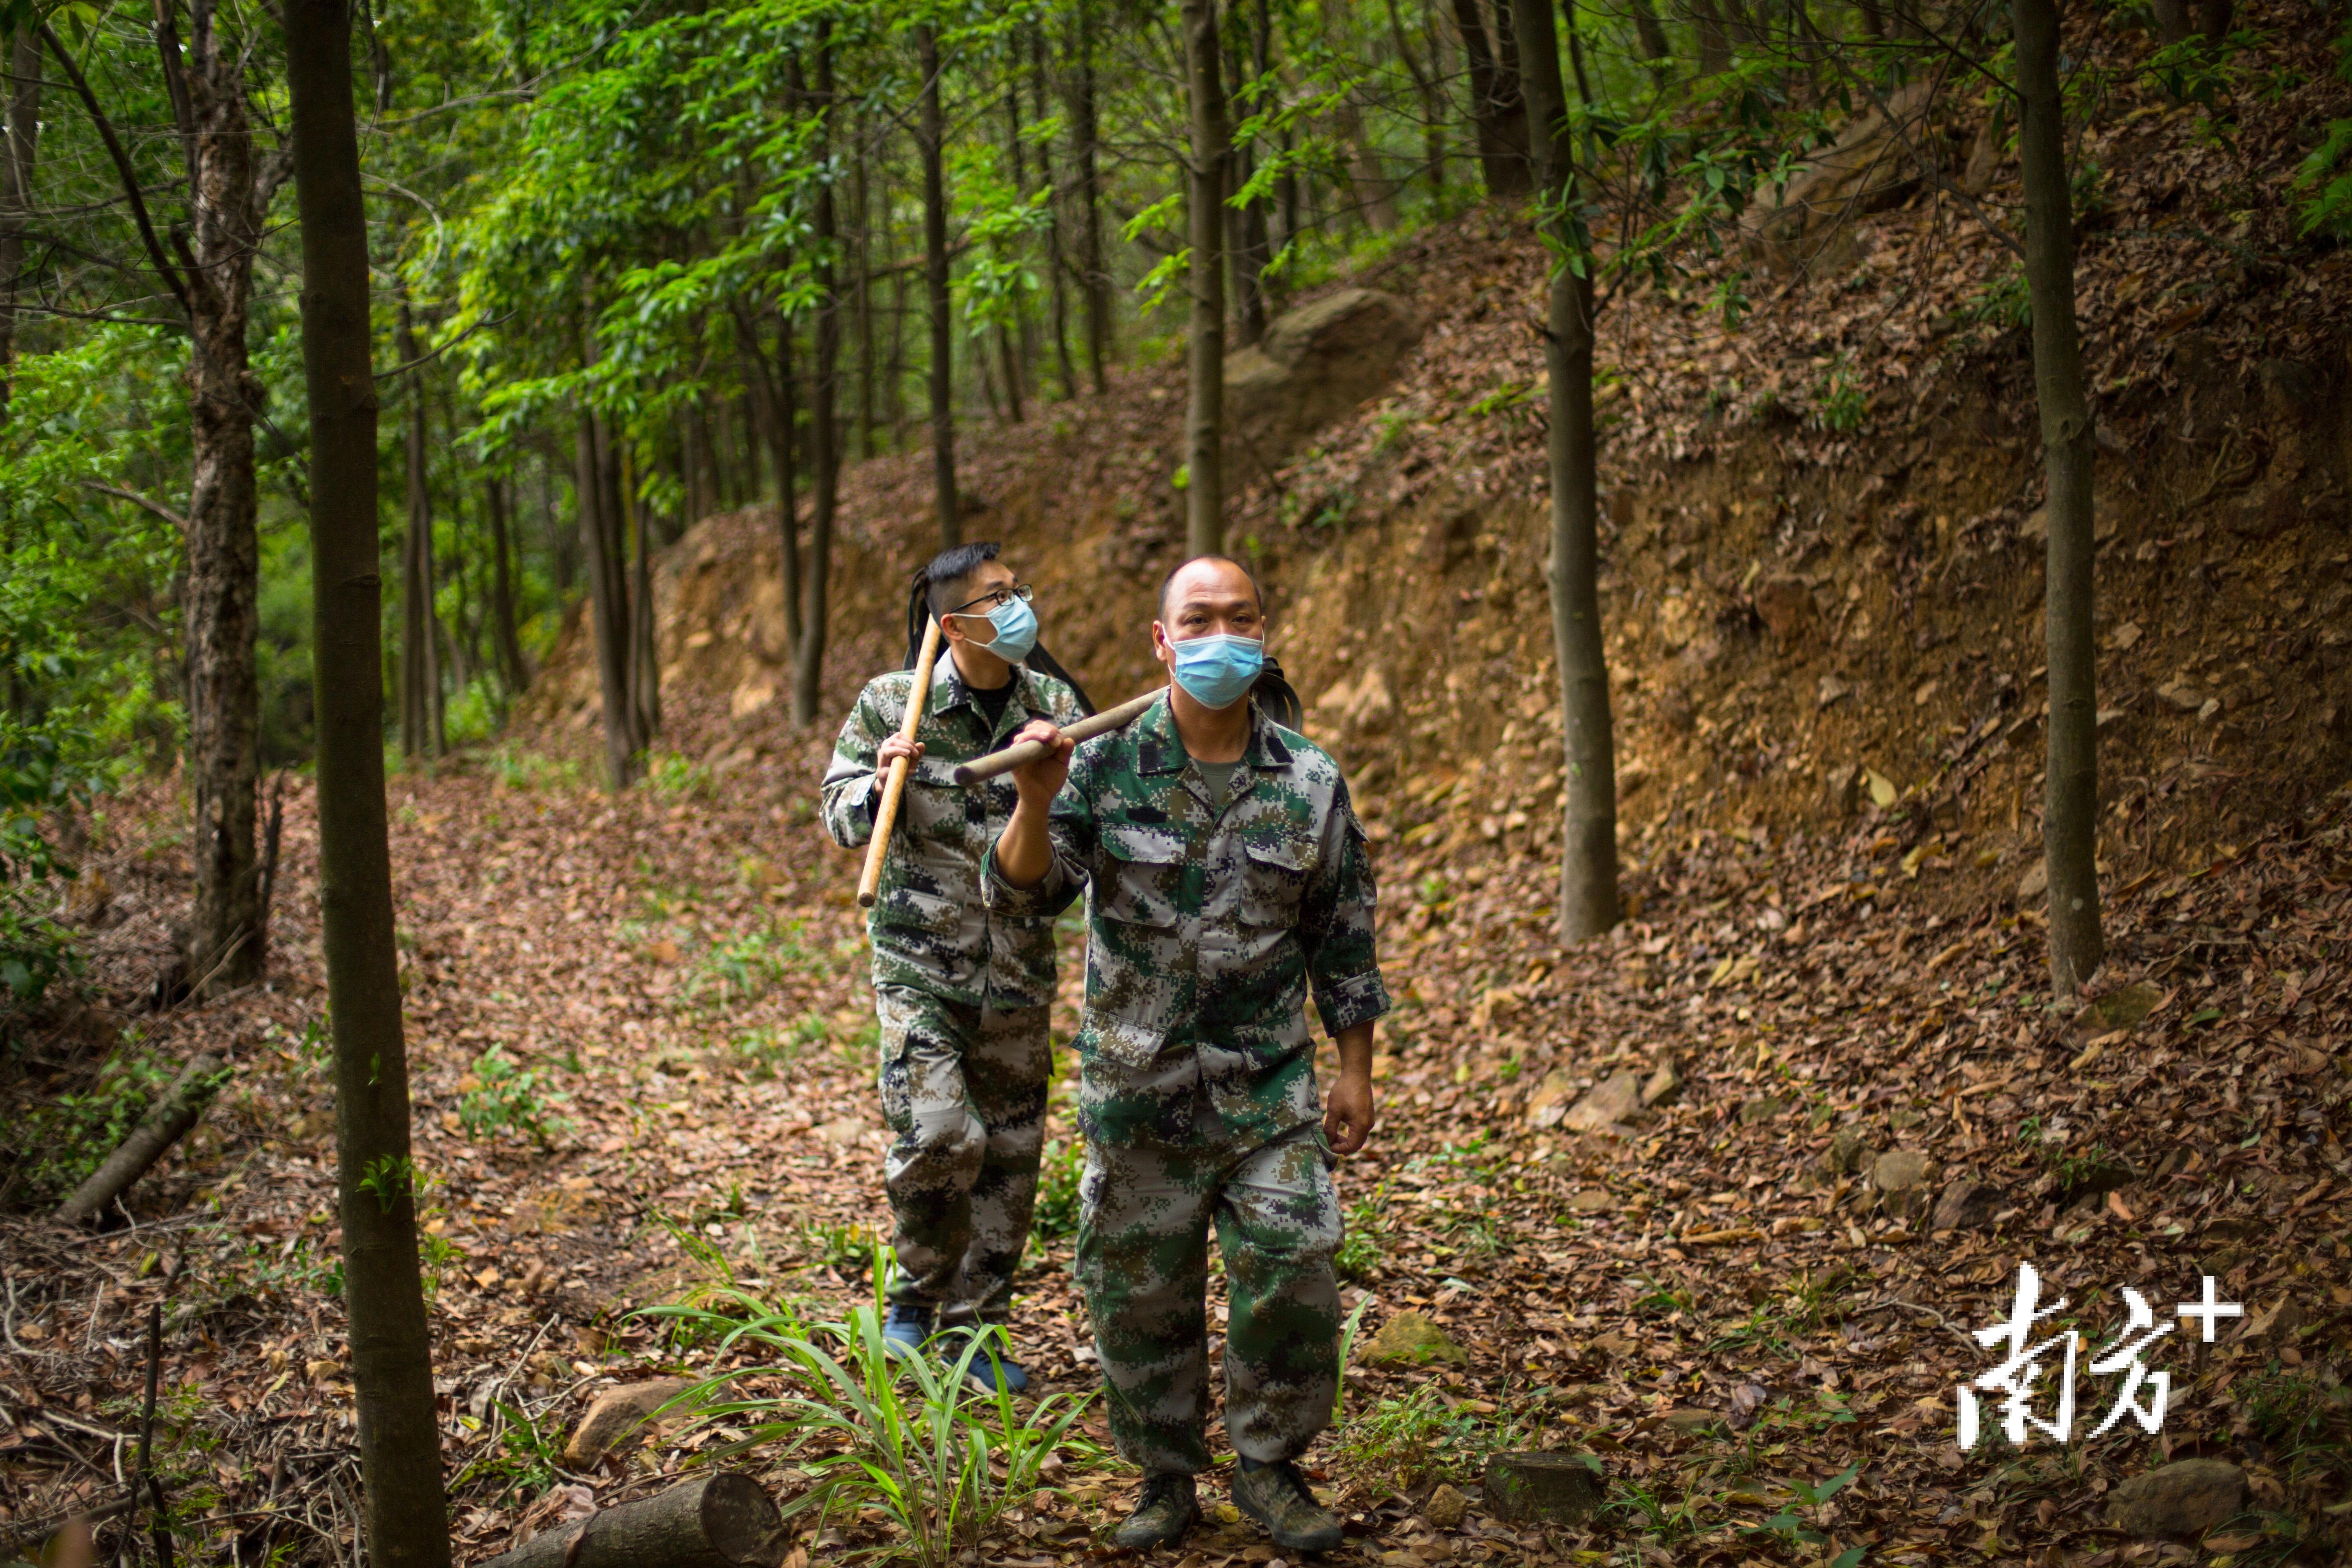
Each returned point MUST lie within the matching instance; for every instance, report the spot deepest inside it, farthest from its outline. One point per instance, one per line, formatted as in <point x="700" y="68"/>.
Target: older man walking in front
<point x="1230" y="879"/>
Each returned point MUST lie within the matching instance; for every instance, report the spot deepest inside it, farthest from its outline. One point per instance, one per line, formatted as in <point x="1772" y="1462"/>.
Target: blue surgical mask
<point x="1017" y="630"/>
<point x="1218" y="671"/>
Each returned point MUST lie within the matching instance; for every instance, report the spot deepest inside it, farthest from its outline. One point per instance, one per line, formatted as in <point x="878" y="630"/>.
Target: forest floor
<point x="642" y="1054"/>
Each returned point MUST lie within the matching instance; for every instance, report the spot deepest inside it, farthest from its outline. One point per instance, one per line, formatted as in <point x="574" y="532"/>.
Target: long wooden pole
<point x="1012" y="757"/>
<point x="887" y="817"/>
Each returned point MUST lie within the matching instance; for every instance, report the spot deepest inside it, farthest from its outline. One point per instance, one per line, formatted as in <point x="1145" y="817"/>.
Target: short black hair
<point x="1256" y="589"/>
<point x="951" y="566"/>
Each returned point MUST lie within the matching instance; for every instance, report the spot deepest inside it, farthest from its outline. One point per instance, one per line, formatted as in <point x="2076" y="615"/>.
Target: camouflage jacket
<point x="929" y="926"/>
<point x="1207" y="927"/>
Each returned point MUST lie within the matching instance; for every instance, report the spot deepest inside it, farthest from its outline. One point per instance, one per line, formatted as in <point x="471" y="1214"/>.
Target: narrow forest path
<point x="642" y="1056"/>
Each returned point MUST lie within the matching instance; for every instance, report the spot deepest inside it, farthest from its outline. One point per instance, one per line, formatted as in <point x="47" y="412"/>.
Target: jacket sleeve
<point x="1335" y="928"/>
<point x="1070" y="834"/>
<point x="847" y="792"/>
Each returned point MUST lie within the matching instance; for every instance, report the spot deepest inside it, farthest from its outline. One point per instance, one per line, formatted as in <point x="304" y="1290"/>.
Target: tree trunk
<point x="504" y="634"/>
<point x="405" y="1520"/>
<point x="1241" y="253"/>
<point x="1652" y="34"/>
<point x="607" y="604"/>
<point x="824" y="441"/>
<point x="1092" y="264"/>
<point x="788" y="540"/>
<point x="1425" y="93"/>
<point x="1714" y="41"/>
<point x="1056" y="253"/>
<point x="2071" y="779"/>
<point x="224" y="546"/>
<point x="1588" y="872"/>
<point x="862" y="220"/>
<point x="1498" y="108"/>
<point x="931" y="141"/>
<point x="420" y="657"/>
<point x="17" y="156"/>
<point x="644" y="660"/>
<point x="2171" y="19"/>
<point x="1204" y="411"/>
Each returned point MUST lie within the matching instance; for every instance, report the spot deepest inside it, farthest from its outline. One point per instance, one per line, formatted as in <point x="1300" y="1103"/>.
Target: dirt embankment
<point x="1821" y="536"/>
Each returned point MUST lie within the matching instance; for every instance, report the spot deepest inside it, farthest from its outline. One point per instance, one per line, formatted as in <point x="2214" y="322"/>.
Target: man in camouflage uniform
<point x="962" y="991"/>
<point x="1227" y="877"/>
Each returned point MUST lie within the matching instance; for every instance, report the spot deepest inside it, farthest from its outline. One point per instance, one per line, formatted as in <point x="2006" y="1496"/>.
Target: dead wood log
<point x="166" y="1121"/>
<point x="726" y="1521"/>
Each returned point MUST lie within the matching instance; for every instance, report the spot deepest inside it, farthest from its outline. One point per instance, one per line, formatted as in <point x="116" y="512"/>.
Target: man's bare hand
<point x="1348" y="1113"/>
<point x="1041" y="781"/>
<point x="894" y="748"/>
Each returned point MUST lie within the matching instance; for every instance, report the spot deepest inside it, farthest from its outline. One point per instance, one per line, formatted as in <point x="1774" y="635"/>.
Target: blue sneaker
<point x="990" y="1372"/>
<point x="907" y="1327"/>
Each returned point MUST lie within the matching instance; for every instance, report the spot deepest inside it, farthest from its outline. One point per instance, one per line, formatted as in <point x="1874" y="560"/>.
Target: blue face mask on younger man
<point x="1017" y="630"/>
<point x="1218" y="671"/>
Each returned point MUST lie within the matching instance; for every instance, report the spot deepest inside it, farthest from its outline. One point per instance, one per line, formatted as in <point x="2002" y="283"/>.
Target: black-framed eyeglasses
<point x="995" y="599"/>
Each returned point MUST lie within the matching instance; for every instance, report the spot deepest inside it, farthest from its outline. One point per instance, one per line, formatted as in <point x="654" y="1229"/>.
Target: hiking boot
<point x="907" y="1327"/>
<point x="1277" y="1497"/>
<point x="1168" y="1507"/>
<point x="992" y="1372"/>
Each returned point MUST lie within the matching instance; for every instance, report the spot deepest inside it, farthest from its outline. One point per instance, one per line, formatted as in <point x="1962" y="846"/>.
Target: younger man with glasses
<point x="962" y="991"/>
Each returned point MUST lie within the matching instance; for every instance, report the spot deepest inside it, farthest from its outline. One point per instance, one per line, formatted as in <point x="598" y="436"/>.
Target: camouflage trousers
<point x="964" y="1090"/>
<point x="1143" y="1263"/>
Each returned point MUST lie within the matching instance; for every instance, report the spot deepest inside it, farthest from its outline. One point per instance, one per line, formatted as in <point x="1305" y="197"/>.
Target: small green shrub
<point x="675" y="777"/>
<point x="1409" y="1442"/>
<point x="1362" y="1238"/>
<point x="505" y="1098"/>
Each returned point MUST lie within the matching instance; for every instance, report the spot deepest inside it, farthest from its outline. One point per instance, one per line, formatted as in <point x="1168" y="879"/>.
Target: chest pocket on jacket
<point x="1274" y="880"/>
<point x="1141" y="869"/>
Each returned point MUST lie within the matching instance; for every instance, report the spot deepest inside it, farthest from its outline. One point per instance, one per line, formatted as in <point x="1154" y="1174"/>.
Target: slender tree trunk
<point x="404" y="1519"/>
<point x="931" y="141"/>
<point x="420" y="657"/>
<point x="2070" y="811"/>
<point x="645" y="658"/>
<point x="862" y="221"/>
<point x="17" y="157"/>
<point x="505" y="634"/>
<point x="1204" y="413"/>
<point x="1058" y="253"/>
<point x="607" y="598"/>
<point x="224" y="544"/>
<point x="824" y="440"/>
<point x="1092" y="264"/>
<point x="1498" y="108"/>
<point x="1241" y="255"/>
<point x="1714" y="38"/>
<point x="1652" y="34"/>
<point x="896" y="380"/>
<point x="1426" y="92"/>
<point x="788" y="486"/>
<point x="1588" y="873"/>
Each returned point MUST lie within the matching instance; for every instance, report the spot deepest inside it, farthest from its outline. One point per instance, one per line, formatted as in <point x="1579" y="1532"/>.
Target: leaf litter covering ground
<point x="1710" y="1294"/>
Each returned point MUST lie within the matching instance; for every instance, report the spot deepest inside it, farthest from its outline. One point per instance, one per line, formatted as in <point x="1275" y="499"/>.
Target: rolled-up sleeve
<point x="847" y="792"/>
<point x="1070" y="834"/>
<point x="1335" y="928"/>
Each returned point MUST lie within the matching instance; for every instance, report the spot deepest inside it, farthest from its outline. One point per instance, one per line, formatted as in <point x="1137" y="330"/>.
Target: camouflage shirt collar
<point x="948" y="688"/>
<point x="1159" y="750"/>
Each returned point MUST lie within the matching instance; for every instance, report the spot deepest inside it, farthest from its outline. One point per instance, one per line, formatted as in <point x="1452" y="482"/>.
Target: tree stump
<point x="726" y="1521"/>
<point x="174" y="1111"/>
<point x="1543" y="1489"/>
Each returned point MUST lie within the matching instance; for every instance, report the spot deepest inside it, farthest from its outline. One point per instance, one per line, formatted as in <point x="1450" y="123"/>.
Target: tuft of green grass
<point x="1059" y="1173"/>
<point x="877" y="1431"/>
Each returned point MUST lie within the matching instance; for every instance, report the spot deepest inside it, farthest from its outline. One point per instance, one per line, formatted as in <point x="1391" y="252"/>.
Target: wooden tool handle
<point x="1012" y="757"/>
<point x="886" y="816"/>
